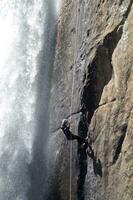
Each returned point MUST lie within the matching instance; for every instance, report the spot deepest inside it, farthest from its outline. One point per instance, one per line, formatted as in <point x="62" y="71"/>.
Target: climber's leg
<point x="90" y="152"/>
<point x="79" y="139"/>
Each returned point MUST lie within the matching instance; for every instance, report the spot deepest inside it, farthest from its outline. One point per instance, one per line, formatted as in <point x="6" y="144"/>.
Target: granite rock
<point x="93" y="67"/>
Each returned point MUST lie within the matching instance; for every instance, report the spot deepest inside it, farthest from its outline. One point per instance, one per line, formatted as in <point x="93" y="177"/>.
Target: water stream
<point x="27" y="40"/>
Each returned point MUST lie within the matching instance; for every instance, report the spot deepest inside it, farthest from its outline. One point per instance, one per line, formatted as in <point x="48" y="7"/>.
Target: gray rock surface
<point x="93" y="66"/>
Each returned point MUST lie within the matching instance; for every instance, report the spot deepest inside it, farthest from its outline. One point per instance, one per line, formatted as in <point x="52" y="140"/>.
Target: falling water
<point x="26" y="54"/>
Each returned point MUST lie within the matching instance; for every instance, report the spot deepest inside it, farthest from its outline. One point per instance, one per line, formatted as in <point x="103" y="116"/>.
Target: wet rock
<point x="101" y="80"/>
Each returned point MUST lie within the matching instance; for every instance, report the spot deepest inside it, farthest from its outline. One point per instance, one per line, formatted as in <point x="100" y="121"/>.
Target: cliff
<point x="93" y="69"/>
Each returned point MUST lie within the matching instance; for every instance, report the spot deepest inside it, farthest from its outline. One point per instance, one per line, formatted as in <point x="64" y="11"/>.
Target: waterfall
<point x="27" y="40"/>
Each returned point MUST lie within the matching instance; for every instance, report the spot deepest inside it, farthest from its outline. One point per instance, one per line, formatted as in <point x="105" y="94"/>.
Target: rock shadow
<point x="97" y="166"/>
<point x="99" y="73"/>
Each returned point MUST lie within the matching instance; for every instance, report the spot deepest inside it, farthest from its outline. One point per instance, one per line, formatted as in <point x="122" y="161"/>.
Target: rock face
<point x="93" y="70"/>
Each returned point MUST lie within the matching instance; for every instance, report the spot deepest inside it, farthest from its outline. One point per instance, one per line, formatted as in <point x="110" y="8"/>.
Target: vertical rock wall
<point x="93" y="69"/>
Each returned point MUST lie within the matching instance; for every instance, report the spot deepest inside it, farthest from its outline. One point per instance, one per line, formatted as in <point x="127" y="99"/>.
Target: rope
<point x="72" y="91"/>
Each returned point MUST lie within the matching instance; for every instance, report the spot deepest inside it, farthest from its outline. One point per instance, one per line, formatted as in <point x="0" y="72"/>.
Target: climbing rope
<point x="72" y="92"/>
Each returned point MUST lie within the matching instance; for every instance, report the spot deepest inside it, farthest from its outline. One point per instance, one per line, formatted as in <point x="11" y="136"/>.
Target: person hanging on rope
<point x="83" y="142"/>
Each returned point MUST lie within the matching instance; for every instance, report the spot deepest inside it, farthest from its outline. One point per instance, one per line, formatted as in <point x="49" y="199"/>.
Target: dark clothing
<point x="71" y="136"/>
<point x="90" y="152"/>
<point x="84" y="143"/>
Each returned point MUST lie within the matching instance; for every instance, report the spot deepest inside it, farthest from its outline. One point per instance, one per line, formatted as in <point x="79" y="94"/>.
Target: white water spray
<point x="22" y="25"/>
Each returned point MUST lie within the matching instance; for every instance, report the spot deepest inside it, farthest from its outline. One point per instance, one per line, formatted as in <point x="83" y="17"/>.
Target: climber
<point x="83" y="142"/>
<point x="65" y="126"/>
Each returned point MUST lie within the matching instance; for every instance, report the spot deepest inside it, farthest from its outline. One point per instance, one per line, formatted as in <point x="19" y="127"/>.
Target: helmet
<point x="64" y="123"/>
